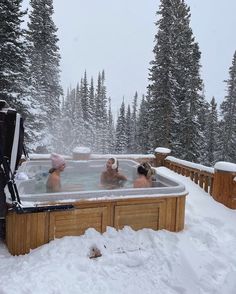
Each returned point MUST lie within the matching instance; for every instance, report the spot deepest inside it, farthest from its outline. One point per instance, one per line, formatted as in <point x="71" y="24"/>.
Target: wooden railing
<point x="199" y="176"/>
<point x="220" y="181"/>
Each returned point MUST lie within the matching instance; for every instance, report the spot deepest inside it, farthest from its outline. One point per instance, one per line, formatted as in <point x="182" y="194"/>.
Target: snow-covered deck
<point x="200" y="259"/>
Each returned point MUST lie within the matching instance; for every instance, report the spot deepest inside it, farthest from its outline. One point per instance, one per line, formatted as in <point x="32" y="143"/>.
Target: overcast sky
<point x="118" y="36"/>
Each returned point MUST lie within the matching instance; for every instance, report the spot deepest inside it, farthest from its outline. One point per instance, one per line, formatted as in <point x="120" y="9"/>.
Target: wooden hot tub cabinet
<point x="30" y="230"/>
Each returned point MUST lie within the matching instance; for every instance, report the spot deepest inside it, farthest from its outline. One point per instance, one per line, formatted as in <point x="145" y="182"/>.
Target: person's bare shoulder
<point x="103" y="177"/>
<point x="137" y="183"/>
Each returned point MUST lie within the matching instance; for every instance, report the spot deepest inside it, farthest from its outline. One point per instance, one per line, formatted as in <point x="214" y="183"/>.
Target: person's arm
<point x="102" y="179"/>
<point x="122" y="177"/>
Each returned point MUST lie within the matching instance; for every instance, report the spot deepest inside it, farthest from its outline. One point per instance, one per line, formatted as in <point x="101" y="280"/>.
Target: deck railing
<point x="203" y="176"/>
<point x="219" y="182"/>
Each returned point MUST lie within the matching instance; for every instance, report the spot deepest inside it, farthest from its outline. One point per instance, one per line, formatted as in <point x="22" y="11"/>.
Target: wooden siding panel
<point x="138" y="216"/>
<point x="180" y="213"/>
<point x="26" y="231"/>
<point x="76" y="222"/>
<point x="30" y="230"/>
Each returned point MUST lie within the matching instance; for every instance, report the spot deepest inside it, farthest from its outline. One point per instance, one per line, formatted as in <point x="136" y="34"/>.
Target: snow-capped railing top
<point x="225" y="166"/>
<point x="191" y="164"/>
<point x="128" y="156"/>
<point x="85" y="150"/>
<point x="162" y="150"/>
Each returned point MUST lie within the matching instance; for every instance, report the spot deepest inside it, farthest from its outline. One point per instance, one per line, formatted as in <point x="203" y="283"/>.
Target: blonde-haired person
<point x="54" y="178"/>
<point x="111" y="178"/>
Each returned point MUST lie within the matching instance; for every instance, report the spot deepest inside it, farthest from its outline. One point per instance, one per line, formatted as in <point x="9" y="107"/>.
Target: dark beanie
<point x="141" y="170"/>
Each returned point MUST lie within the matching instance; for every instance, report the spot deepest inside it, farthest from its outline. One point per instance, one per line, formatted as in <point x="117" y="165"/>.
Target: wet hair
<point x="142" y="170"/>
<point x="150" y="170"/>
<point x="51" y="170"/>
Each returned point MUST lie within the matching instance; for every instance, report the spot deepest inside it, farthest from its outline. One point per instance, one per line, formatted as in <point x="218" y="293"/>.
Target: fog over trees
<point x="173" y="113"/>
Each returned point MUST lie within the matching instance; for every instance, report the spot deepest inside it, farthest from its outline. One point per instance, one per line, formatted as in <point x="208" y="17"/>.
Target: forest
<point x="173" y="113"/>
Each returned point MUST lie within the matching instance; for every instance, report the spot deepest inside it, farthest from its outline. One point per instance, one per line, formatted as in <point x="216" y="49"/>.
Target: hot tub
<point x="159" y="207"/>
<point x="87" y="175"/>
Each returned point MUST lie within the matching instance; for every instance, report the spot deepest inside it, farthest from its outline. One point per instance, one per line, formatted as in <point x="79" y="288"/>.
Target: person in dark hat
<point x="142" y="180"/>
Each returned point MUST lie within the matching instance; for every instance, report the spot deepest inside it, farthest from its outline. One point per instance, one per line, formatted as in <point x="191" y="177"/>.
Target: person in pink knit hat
<point x="54" y="178"/>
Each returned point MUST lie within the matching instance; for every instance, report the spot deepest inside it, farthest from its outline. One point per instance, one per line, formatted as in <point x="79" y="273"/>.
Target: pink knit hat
<point x="57" y="160"/>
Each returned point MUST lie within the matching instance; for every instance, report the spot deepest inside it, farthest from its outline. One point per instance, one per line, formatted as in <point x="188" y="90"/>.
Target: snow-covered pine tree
<point x="191" y="102"/>
<point x="162" y="104"/>
<point x="44" y="61"/>
<point x="212" y="134"/>
<point x="143" y="127"/>
<point x="14" y="84"/>
<point x="129" y="130"/>
<point x="175" y="83"/>
<point x="78" y="121"/>
<point x="105" y="136"/>
<point x="13" y="57"/>
<point x="84" y="93"/>
<point x="121" y="139"/>
<point x="88" y="111"/>
<point x="111" y="130"/>
<point x="101" y="115"/>
<point x="204" y="110"/>
<point x="91" y="117"/>
<point x="228" y="113"/>
<point x="134" y="113"/>
<point x="66" y="136"/>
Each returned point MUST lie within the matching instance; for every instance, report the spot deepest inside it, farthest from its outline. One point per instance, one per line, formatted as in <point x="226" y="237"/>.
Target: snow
<point x="83" y="150"/>
<point x="225" y="166"/>
<point x="191" y="164"/>
<point x="95" y="156"/>
<point x="125" y="156"/>
<point x="162" y="150"/>
<point x="21" y="176"/>
<point x="37" y="156"/>
<point x="199" y="260"/>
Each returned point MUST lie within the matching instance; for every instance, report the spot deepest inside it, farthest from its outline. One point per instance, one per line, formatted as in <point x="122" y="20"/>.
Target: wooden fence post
<point x="160" y="155"/>
<point x="224" y="184"/>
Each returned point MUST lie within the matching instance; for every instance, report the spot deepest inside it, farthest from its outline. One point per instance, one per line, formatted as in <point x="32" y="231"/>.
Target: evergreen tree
<point x="13" y="57"/>
<point x="78" y="121"/>
<point x="91" y="117"/>
<point x="228" y="113"/>
<point x="191" y="105"/>
<point x="162" y="103"/>
<point x="44" y="67"/>
<point x="101" y="115"/>
<point x="203" y="113"/>
<point x="85" y="97"/>
<point x="121" y="139"/>
<point x="88" y="111"/>
<point x="175" y="83"/>
<point x="143" y="127"/>
<point x="212" y="134"/>
<point x="111" y="130"/>
<point x="64" y="139"/>
<point x="14" y="82"/>
<point x="129" y="131"/>
<point x="133" y="143"/>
